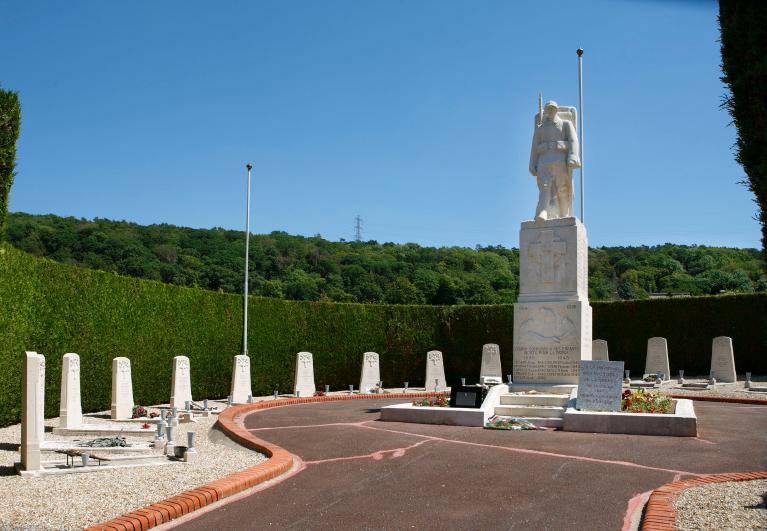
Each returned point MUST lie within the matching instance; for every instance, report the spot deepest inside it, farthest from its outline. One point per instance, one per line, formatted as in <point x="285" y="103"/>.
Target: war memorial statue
<point x="553" y="156"/>
<point x="552" y="316"/>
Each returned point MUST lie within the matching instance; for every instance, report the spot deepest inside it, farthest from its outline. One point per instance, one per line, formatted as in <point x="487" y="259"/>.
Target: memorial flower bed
<point x="432" y="401"/>
<point x="639" y="401"/>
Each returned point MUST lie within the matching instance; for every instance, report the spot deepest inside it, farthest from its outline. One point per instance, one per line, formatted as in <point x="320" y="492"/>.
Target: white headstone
<point x="181" y="386"/>
<point x="723" y="360"/>
<point x="241" y="388"/>
<point x="599" y="350"/>
<point x="122" y="389"/>
<point x="657" y="357"/>
<point x="371" y="372"/>
<point x="32" y="411"/>
<point x="600" y="384"/>
<point x="491" y="361"/>
<point x="303" y="383"/>
<point x="70" y="408"/>
<point x="435" y="371"/>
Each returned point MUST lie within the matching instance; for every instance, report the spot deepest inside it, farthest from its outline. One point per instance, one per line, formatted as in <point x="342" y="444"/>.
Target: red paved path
<point x="361" y="473"/>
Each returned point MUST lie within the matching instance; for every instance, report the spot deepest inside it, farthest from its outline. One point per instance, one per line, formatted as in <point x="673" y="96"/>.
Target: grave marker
<point x="599" y="350"/>
<point x="181" y="386"/>
<point x="70" y="408"/>
<point x="303" y="383"/>
<point x="32" y="411"/>
<point x="657" y="357"/>
<point x="241" y="389"/>
<point x="491" y="361"/>
<point x="122" y="389"/>
<point x="435" y="371"/>
<point x="371" y="372"/>
<point x="600" y="384"/>
<point x="723" y="360"/>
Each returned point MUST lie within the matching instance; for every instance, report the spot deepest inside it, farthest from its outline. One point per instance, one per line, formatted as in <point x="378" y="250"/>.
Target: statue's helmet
<point x="551" y="103"/>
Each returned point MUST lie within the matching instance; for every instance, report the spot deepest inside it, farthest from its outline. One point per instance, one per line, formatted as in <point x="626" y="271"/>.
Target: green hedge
<point x="53" y="309"/>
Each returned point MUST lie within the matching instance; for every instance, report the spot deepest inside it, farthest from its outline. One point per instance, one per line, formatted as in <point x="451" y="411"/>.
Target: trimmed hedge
<point x="54" y="308"/>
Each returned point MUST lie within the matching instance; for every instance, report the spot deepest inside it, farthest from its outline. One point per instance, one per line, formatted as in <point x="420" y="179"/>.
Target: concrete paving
<point x="361" y="473"/>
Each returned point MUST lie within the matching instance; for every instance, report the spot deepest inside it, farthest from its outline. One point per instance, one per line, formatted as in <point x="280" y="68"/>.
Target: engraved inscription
<point x="547" y="253"/>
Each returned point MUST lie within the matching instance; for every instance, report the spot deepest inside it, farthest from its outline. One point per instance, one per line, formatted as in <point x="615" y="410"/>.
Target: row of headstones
<point x="181" y="389"/>
<point x="70" y="407"/>
<point x="370" y="376"/>
<point x="656" y="362"/>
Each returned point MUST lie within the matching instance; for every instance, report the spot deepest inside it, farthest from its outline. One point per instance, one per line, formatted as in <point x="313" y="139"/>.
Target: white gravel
<point x="726" y="390"/>
<point x="735" y="505"/>
<point x="73" y="501"/>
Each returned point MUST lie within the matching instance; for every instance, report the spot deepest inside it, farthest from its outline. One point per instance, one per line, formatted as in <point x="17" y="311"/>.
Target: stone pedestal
<point x="371" y="372"/>
<point x="552" y="318"/>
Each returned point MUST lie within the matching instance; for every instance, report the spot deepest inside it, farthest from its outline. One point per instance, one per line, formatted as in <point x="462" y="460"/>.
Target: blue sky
<point x="416" y="115"/>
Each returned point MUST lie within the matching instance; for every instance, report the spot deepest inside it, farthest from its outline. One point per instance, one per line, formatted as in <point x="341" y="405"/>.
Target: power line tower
<point x="358" y="229"/>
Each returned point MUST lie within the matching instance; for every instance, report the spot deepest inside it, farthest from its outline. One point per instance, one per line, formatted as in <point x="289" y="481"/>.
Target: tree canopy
<point x="312" y="268"/>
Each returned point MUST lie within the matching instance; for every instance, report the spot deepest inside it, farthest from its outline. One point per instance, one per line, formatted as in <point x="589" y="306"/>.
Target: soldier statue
<point x="553" y="157"/>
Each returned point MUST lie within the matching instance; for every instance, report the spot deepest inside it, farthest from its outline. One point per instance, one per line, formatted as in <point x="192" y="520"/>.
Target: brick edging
<point x="660" y="514"/>
<point x="727" y="399"/>
<point x="229" y="421"/>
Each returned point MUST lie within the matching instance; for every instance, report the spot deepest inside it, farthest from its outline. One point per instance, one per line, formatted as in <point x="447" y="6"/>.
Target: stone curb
<point x="229" y="421"/>
<point x="660" y="514"/>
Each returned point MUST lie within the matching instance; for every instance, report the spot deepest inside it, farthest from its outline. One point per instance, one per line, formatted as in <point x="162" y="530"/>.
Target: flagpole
<point x="580" y="129"/>
<point x="249" y="166"/>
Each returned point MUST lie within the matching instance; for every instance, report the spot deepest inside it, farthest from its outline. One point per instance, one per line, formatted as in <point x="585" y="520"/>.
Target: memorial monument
<point x="552" y="316"/>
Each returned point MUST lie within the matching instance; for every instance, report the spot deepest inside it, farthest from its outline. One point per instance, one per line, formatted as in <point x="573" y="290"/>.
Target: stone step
<point x="549" y="389"/>
<point x="530" y="411"/>
<point x="538" y="399"/>
<point x="758" y="389"/>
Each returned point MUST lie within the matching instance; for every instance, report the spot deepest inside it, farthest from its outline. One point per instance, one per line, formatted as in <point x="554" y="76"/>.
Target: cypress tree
<point x="10" y="122"/>
<point x="743" y="26"/>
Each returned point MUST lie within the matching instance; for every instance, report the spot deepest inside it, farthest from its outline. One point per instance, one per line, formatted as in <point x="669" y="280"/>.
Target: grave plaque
<point x="70" y="408"/>
<point x="122" y="389"/>
<point x="304" y="379"/>
<point x="600" y="385"/>
<point x="599" y="350"/>
<point x="371" y="372"/>
<point x="466" y="396"/>
<point x="657" y="357"/>
<point x="435" y="371"/>
<point x="491" y="361"/>
<point x="240" y="390"/>
<point x="723" y="360"/>
<point x="181" y="386"/>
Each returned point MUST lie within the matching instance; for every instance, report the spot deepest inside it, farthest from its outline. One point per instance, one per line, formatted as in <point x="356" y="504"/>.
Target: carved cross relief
<point x="547" y="252"/>
<point x="305" y="360"/>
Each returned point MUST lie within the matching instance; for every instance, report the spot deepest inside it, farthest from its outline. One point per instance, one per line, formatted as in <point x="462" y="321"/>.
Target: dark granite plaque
<point x="466" y="396"/>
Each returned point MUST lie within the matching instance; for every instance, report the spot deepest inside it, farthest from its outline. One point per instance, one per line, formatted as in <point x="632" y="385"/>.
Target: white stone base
<point x="451" y="416"/>
<point x="550" y="340"/>
<point x="99" y="430"/>
<point x="681" y="423"/>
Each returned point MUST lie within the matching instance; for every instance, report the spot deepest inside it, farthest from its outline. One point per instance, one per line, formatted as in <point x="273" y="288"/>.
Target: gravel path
<point x="727" y="390"/>
<point x="73" y="501"/>
<point x="736" y="505"/>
